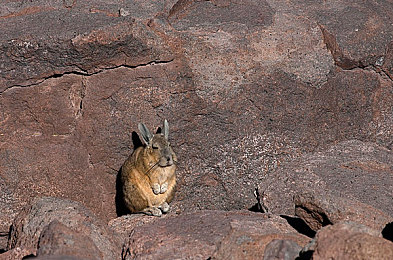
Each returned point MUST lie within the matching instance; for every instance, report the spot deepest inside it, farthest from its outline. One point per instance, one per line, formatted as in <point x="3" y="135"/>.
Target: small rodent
<point x="148" y="175"/>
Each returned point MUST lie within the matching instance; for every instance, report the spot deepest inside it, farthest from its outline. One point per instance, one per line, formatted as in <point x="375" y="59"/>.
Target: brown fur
<point x="148" y="188"/>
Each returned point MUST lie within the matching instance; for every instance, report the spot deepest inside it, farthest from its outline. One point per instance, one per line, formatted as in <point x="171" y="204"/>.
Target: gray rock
<point x="281" y="249"/>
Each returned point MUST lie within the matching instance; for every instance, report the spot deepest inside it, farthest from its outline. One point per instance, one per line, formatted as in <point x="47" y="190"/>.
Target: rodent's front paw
<point x="156" y="188"/>
<point x="164" y="187"/>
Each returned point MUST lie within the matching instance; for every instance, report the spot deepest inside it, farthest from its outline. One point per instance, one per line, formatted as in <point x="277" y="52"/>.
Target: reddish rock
<point x="245" y="86"/>
<point x="321" y="209"/>
<point x="51" y="226"/>
<point x="58" y="257"/>
<point x="16" y="253"/>
<point x="57" y="239"/>
<point x="89" y="37"/>
<point x="125" y="224"/>
<point x="346" y="177"/>
<point x="356" y="34"/>
<point x="205" y="234"/>
<point x="387" y="61"/>
<point x="46" y="156"/>
<point x="250" y="241"/>
<point x="346" y="241"/>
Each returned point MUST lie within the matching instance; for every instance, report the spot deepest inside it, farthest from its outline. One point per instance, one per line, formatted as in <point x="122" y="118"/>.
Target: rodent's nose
<point x="169" y="160"/>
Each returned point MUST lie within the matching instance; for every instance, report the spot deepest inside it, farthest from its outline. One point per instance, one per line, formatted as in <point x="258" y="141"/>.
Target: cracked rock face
<point x="245" y="85"/>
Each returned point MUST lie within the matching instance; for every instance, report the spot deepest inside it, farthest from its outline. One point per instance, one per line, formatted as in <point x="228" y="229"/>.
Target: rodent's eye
<point x="155" y="146"/>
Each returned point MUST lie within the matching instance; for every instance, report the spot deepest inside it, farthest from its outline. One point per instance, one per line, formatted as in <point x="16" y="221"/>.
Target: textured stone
<point x="44" y="226"/>
<point x="346" y="241"/>
<point x="387" y="61"/>
<point x="321" y="209"/>
<point x="356" y="34"/>
<point x="246" y="85"/>
<point x="253" y="242"/>
<point x="282" y="249"/>
<point x="350" y="175"/>
<point x="16" y="253"/>
<point x="58" y="239"/>
<point x="204" y="234"/>
<point x="124" y="225"/>
<point x="89" y="37"/>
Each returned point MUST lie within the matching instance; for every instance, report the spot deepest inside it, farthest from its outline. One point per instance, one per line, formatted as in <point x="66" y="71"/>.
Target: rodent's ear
<point x="146" y="135"/>
<point x="165" y="129"/>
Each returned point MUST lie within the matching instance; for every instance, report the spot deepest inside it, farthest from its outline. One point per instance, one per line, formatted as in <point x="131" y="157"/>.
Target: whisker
<point x="151" y="168"/>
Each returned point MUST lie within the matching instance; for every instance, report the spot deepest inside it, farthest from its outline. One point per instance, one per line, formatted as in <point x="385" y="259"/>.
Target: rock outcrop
<point x="292" y="96"/>
<point x="351" y="172"/>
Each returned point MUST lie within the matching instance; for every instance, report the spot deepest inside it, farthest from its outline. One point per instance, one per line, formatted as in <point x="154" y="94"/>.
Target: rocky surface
<point x="57" y="228"/>
<point x="281" y="249"/>
<point x="351" y="172"/>
<point x="350" y="241"/>
<point x="53" y="226"/>
<point x="318" y="210"/>
<point x="257" y="93"/>
<point x="16" y="253"/>
<point x="58" y="239"/>
<point x="204" y="234"/>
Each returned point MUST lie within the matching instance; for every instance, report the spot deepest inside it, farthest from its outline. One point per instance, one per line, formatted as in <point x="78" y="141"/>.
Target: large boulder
<point x="347" y="240"/>
<point x="52" y="227"/>
<point x="58" y="239"/>
<point x="321" y="209"/>
<point x="204" y="234"/>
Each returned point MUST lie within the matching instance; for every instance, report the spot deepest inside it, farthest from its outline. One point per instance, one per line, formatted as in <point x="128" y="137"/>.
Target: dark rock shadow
<point x="121" y="208"/>
<point x="256" y="208"/>
<point x="299" y="225"/>
<point x="387" y="232"/>
<point x="305" y="255"/>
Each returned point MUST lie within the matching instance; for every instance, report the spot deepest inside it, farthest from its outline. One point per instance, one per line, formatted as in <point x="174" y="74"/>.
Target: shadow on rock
<point x="299" y="225"/>
<point x="387" y="232"/>
<point x="121" y="208"/>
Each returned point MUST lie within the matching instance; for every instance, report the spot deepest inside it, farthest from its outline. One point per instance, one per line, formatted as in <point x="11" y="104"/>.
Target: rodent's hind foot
<point x="153" y="211"/>
<point x="164" y="207"/>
